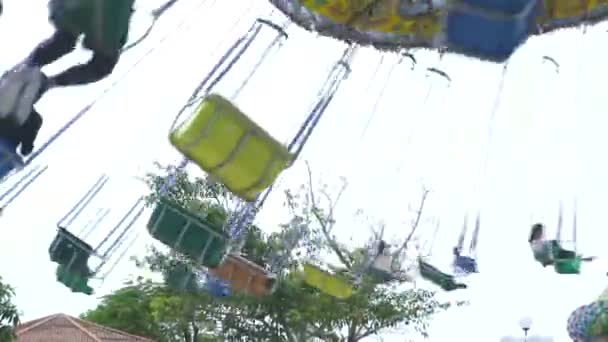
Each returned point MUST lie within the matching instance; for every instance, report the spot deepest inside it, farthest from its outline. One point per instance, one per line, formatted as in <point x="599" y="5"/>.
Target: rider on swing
<point x="105" y="27"/>
<point x="545" y="251"/>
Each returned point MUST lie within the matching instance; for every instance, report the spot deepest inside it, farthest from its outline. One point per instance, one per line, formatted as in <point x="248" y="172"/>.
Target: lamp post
<point x="525" y="324"/>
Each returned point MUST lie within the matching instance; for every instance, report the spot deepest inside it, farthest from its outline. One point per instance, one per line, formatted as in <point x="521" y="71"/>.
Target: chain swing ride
<point x="229" y="146"/>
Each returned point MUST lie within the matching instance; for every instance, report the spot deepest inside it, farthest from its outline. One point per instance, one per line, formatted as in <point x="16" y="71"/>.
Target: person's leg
<point x="97" y="68"/>
<point x="58" y="45"/>
<point x="29" y="132"/>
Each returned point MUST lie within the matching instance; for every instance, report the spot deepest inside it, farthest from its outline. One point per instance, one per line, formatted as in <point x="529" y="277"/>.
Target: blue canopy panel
<point x="492" y="36"/>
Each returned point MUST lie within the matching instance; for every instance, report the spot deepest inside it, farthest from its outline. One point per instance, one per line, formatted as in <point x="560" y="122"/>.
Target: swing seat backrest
<point x="188" y="233"/>
<point x="226" y="144"/>
<point x="333" y="285"/>
<point x="568" y="266"/>
<point x="71" y="252"/>
<point x="245" y="276"/>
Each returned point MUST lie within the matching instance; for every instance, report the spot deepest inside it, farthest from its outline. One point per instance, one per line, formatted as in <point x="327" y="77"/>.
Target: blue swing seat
<point x="217" y="287"/>
<point x="490" y="36"/>
<point x="466" y="264"/>
<point x="9" y="158"/>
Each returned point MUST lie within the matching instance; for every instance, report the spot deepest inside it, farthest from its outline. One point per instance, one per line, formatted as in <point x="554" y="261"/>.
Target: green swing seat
<point x="568" y="266"/>
<point x="232" y="148"/>
<point x="445" y="281"/>
<point x="187" y="233"/>
<point x="71" y="252"/>
<point x="73" y="280"/>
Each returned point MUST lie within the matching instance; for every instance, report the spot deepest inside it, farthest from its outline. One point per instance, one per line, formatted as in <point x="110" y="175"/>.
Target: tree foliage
<point x="296" y="311"/>
<point x="9" y="315"/>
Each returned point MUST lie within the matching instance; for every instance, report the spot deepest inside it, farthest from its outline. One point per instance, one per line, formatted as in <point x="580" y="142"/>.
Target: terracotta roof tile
<point x="64" y="328"/>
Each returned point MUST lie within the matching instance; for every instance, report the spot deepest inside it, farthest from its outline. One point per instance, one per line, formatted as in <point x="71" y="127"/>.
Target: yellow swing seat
<point x="333" y="285"/>
<point x="229" y="146"/>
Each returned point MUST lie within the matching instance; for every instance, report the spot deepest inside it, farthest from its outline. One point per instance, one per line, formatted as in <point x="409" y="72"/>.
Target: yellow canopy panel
<point x="326" y="282"/>
<point x="425" y="25"/>
<point x="228" y="145"/>
<point x="565" y="9"/>
<point x="385" y="17"/>
<point x="340" y="11"/>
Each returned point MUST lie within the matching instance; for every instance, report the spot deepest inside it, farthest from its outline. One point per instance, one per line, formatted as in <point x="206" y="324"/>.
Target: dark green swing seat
<point x="200" y="239"/>
<point x="568" y="266"/>
<point x="72" y="254"/>
<point x="75" y="281"/>
<point x="445" y="281"/>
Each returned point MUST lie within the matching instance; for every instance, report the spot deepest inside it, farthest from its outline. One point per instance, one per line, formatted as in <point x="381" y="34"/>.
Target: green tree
<point x="128" y="309"/>
<point x="9" y="315"/>
<point x="296" y="311"/>
<point x="152" y="310"/>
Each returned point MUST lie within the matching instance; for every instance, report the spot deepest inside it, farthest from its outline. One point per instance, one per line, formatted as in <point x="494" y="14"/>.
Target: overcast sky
<point x="547" y="145"/>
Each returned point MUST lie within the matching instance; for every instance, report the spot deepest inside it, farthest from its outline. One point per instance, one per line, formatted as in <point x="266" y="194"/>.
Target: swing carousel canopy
<point x="486" y="29"/>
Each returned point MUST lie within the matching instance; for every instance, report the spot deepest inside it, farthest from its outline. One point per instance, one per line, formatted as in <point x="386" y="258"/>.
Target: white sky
<point x="547" y="146"/>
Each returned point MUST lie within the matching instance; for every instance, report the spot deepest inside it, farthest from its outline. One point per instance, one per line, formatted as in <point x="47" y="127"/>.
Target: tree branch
<point x="415" y="224"/>
<point x="327" y="222"/>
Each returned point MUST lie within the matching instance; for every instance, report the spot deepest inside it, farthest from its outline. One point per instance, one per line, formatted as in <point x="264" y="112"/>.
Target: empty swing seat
<point x="568" y="266"/>
<point x="188" y="233"/>
<point x="489" y="36"/>
<point x="333" y="285"/>
<point x="228" y="145"/>
<point x="245" y="276"/>
<point x="71" y="252"/>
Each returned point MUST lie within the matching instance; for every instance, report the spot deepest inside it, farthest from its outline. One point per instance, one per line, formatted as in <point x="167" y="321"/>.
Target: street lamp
<point x="525" y="324"/>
